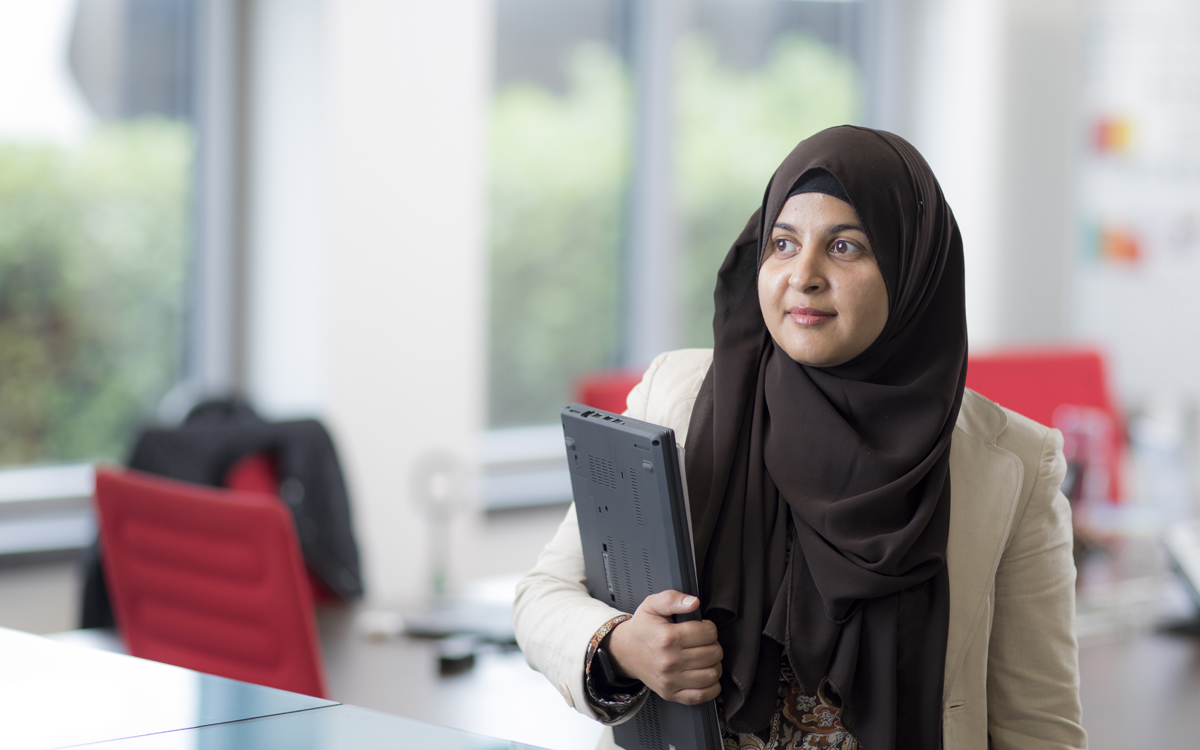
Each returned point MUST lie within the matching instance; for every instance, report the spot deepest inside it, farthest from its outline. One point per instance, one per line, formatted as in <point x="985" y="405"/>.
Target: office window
<point x="560" y="139"/>
<point x="747" y="81"/>
<point x="754" y="79"/>
<point x="95" y="179"/>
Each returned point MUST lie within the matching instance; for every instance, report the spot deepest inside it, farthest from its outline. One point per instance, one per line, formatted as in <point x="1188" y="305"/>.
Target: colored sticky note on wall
<point x="1112" y="135"/>
<point x="1112" y="244"/>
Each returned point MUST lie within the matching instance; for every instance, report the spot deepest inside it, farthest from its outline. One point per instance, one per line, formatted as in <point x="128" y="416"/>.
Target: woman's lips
<point x="810" y="316"/>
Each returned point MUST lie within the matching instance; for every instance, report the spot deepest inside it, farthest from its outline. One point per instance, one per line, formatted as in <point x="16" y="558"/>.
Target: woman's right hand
<point x="681" y="661"/>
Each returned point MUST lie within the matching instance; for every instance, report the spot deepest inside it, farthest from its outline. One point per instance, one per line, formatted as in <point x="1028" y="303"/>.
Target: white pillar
<point x="288" y="326"/>
<point x="410" y="84"/>
<point x="956" y="114"/>
<point x="368" y="248"/>
<point x="993" y="108"/>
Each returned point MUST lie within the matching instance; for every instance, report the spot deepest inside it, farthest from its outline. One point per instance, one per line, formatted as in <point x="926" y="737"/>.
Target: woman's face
<point x="820" y="289"/>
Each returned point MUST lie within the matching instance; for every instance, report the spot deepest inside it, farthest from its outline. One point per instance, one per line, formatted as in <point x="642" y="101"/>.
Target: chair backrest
<point x="1036" y="383"/>
<point x="606" y="390"/>
<point x="208" y="579"/>
<point x="259" y="472"/>
<point x="256" y="472"/>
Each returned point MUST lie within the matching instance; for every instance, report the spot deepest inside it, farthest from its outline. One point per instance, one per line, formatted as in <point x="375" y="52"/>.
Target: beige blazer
<point x="1012" y="676"/>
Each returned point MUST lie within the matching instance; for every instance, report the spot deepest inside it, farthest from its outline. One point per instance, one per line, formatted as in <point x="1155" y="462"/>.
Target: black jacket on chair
<point x="213" y="438"/>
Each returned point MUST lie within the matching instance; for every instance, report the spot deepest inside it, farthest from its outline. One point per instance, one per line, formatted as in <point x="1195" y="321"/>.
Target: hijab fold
<point x="821" y="496"/>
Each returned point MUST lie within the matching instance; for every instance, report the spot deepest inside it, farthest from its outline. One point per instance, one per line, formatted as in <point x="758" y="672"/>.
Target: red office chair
<point x="1063" y="388"/>
<point x="606" y="390"/>
<point x="258" y="472"/>
<point x="208" y="579"/>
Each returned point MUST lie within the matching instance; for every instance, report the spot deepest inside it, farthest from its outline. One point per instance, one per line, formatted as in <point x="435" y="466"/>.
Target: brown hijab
<point x="852" y="461"/>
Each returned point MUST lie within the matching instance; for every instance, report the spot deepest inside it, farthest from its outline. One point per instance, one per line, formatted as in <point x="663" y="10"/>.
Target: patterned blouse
<point x="800" y="722"/>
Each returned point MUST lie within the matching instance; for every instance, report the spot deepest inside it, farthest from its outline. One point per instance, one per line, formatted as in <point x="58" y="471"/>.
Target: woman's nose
<point x="806" y="273"/>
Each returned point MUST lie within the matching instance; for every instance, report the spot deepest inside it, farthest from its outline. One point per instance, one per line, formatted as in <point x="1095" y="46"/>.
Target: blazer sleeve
<point x="1033" y="656"/>
<point x="553" y="616"/>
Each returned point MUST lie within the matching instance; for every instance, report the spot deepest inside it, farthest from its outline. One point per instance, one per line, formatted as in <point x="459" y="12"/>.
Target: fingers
<point x="697" y="633"/>
<point x="685" y="635"/>
<point x="681" y="661"/>
<point x="668" y="664"/>
<point x="668" y="603"/>
<point x="701" y="657"/>
<point x="694" y="686"/>
<point x="690" y="679"/>
<point x="696" y="697"/>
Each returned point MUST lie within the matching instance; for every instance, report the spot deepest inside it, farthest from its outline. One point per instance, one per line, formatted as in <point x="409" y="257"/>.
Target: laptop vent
<point x="603" y="472"/>
<point x="648" y="731"/>
<point x="649" y="580"/>
<point x="637" y="500"/>
<point x="628" y="603"/>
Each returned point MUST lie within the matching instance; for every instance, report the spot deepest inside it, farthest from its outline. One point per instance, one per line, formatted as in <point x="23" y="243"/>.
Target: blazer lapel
<point x="985" y="486"/>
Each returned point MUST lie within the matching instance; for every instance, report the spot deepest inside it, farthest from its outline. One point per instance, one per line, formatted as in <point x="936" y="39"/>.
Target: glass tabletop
<point x="334" y="728"/>
<point x="54" y="695"/>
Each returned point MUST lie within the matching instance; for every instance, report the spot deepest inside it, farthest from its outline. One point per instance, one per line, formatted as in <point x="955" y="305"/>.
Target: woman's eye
<point x="785" y="246"/>
<point x="845" y="247"/>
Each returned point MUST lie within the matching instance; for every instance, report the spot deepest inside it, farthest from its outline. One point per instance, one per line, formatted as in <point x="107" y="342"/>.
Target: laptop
<point x="634" y="522"/>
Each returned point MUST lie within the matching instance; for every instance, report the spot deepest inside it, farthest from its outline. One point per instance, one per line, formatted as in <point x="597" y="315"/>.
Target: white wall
<point x="1042" y="134"/>
<point x="367" y="244"/>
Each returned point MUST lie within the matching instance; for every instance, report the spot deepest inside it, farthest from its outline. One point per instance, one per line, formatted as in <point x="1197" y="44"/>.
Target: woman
<point x="885" y="558"/>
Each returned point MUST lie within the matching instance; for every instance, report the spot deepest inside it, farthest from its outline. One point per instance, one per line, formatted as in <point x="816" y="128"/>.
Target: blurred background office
<point x="426" y="222"/>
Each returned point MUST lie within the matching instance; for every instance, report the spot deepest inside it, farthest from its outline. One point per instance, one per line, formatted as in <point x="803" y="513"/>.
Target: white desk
<point x="1140" y="691"/>
<point x="54" y="695"/>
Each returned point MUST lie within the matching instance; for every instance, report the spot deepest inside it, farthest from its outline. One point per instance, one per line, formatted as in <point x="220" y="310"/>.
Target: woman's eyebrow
<point x="828" y="230"/>
<point x="844" y="227"/>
